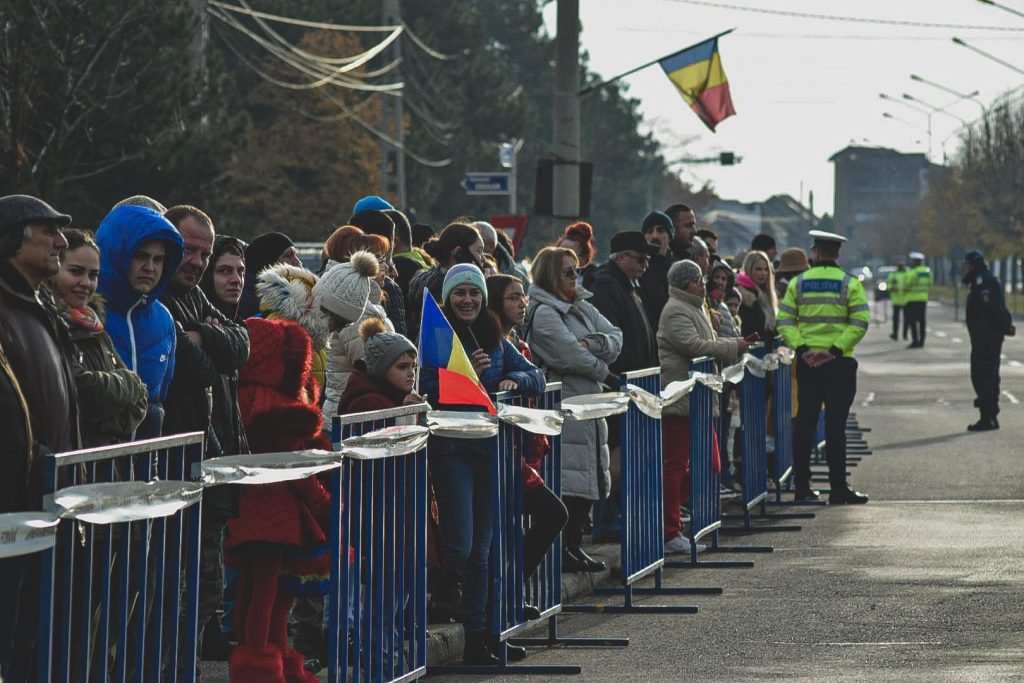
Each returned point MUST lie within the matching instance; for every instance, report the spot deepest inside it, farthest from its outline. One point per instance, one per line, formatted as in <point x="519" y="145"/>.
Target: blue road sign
<point x="486" y="183"/>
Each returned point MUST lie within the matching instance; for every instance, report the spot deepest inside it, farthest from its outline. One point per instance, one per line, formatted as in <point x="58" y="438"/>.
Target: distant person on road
<point x="824" y="316"/>
<point x="897" y="286"/>
<point x="919" y="284"/>
<point x="988" y="322"/>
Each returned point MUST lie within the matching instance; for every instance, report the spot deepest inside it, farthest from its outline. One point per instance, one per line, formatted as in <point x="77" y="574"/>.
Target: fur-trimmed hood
<point x="286" y="292"/>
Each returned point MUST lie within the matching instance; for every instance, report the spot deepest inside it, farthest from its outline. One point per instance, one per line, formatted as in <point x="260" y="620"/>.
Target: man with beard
<point x="684" y="221"/>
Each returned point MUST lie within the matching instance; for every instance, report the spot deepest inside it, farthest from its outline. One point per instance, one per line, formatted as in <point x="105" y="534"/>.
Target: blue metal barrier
<point x="753" y="412"/>
<point x="112" y="603"/>
<point x="377" y="596"/>
<point x="705" y="497"/>
<point x="544" y="588"/>
<point x="641" y="508"/>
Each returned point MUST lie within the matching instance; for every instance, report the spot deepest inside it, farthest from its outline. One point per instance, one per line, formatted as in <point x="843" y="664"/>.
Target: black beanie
<point x="374" y="222"/>
<point x="264" y="251"/>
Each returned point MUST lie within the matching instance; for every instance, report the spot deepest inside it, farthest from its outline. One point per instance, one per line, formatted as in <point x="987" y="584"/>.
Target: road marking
<point x="940" y="333"/>
<point x="956" y="340"/>
<point x="869" y="399"/>
<point x="1010" y="397"/>
<point x="882" y="643"/>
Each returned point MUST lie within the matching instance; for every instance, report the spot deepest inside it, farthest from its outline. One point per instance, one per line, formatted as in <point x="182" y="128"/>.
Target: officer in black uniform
<point x="988" y="322"/>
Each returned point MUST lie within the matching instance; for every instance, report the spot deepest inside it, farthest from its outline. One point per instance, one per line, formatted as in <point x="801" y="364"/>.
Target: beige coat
<point x="685" y="333"/>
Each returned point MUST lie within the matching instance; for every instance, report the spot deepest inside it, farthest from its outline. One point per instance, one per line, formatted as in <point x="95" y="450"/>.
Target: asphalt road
<point x="925" y="583"/>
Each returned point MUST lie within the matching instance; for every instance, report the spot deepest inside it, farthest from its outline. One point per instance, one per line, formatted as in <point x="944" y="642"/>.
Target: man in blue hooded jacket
<point x="139" y="253"/>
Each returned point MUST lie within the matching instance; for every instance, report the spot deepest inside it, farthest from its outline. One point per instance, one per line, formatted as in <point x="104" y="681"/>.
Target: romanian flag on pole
<point x="439" y="347"/>
<point x="699" y="77"/>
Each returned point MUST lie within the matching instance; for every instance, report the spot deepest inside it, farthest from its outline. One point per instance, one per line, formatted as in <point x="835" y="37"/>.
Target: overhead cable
<point x="323" y="77"/>
<point x="300" y="22"/>
<point x="418" y="42"/>
<point x="858" y="20"/>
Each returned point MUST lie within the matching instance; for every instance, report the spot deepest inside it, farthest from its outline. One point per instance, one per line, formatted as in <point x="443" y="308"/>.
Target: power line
<point x="323" y="77"/>
<point x="300" y="22"/>
<point x="418" y="42"/>
<point x="836" y="17"/>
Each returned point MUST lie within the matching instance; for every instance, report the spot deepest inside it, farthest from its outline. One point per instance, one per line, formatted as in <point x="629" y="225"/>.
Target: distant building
<point x="736" y="223"/>
<point x="877" y="191"/>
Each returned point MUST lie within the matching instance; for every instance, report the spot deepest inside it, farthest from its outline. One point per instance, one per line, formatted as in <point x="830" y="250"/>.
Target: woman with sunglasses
<point x="574" y="343"/>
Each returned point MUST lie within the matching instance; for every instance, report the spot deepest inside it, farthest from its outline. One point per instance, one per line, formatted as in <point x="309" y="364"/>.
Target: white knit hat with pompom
<point x="345" y="287"/>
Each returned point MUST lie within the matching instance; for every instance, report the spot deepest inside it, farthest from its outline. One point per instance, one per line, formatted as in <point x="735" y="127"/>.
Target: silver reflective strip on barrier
<point x="457" y="425"/>
<point x="594" y="406"/>
<point x="24" y="533"/>
<point x="533" y="420"/>
<point x="267" y="468"/>
<point x="128" y="501"/>
<point x="648" y="403"/>
<point x="386" y="443"/>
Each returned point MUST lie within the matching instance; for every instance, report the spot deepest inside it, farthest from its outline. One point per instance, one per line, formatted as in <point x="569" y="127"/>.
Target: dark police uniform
<point x="988" y="321"/>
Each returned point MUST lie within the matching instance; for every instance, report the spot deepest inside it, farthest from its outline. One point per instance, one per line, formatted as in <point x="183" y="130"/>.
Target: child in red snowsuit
<point x="278" y="541"/>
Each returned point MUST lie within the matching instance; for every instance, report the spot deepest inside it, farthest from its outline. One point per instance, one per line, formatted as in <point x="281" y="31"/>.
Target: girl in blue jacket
<point x="460" y="468"/>
<point x="139" y="252"/>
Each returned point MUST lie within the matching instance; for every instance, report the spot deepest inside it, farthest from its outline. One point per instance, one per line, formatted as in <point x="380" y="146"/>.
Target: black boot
<point x="216" y="647"/>
<point x="446" y="600"/>
<point x="579" y="561"/>
<point x="477" y="651"/>
<point x="513" y="653"/>
<point x="984" y="424"/>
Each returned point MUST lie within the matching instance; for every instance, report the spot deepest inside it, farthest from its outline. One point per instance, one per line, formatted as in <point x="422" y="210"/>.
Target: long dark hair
<point x="454" y="236"/>
<point x="222" y="245"/>
<point x="496" y="286"/>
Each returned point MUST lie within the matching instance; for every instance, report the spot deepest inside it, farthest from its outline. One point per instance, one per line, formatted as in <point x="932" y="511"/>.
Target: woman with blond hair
<point x="760" y="304"/>
<point x="574" y="344"/>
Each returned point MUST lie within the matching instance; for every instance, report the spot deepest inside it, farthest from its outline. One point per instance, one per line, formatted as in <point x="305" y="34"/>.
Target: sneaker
<point x="681" y="545"/>
<point x="684" y="511"/>
<point x="725" y="493"/>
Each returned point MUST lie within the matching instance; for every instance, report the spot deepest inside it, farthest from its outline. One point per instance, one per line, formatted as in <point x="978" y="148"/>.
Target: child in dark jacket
<point x="385" y="376"/>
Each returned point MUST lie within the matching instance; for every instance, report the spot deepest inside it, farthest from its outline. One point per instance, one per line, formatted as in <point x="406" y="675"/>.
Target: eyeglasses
<point x="571" y="272"/>
<point x="639" y="258"/>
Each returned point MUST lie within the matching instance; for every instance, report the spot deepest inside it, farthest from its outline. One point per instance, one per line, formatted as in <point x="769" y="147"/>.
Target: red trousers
<point x="675" y="437"/>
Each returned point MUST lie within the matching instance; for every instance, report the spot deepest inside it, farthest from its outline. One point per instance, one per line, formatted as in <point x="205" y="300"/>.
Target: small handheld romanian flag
<point x="699" y="77"/>
<point x="439" y="347"/>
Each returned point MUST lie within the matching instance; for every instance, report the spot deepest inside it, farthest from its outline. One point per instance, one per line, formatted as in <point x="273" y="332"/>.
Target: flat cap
<point x="915" y="256"/>
<point x="19" y="210"/>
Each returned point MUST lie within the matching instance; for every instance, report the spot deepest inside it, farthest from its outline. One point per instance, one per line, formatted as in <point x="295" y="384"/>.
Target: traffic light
<point x="727" y="158"/>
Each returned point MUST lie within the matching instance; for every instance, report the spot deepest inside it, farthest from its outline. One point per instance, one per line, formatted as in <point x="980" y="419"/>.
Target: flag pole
<point x="598" y="86"/>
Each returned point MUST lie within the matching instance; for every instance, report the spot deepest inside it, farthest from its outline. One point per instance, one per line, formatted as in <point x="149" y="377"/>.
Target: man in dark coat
<point x="988" y="323"/>
<point x="209" y="348"/>
<point x="39" y="381"/>
<point x="618" y="296"/>
<point x="684" y="222"/>
<point x="657" y="229"/>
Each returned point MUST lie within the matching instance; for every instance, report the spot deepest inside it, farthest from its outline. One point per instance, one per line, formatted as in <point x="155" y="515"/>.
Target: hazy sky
<point x="804" y="88"/>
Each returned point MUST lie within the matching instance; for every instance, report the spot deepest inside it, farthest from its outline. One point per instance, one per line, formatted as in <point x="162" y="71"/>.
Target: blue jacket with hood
<point x="141" y="327"/>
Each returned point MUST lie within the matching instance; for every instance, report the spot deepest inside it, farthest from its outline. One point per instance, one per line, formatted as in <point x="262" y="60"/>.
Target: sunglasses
<point x="571" y="272"/>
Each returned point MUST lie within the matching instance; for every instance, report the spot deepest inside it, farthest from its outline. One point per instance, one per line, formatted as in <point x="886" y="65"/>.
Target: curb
<point x="446" y="642"/>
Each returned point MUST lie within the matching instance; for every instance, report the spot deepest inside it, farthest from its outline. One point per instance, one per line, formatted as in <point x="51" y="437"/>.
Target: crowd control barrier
<point x="377" y="596"/>
<point x="754" y="458"/>
<point x="705" y="497"/>
<point x="641" y="508"/>
<point x="112" y="603"/>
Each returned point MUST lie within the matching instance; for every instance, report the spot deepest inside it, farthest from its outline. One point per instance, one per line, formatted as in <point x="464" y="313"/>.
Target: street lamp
<point x="972" y="96"/>
<point x="1002" y="7"/>
<point x="890" y="117"/>
<point x="919" y="110"/>
<point x="936" y="110"/>
<point x="995" y="59"/>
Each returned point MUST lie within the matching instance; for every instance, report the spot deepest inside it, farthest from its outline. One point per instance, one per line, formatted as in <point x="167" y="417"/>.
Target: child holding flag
<point x="465" y="355"/>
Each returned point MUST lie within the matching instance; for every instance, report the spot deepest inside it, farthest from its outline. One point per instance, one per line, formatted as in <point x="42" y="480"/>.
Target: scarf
<point x="84" y="318"/>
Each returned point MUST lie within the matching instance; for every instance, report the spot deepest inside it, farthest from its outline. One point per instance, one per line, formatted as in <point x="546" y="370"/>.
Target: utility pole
<point x="200" y="41"/>
<point x="392" y="159"/>
<point x="566" y="171"/>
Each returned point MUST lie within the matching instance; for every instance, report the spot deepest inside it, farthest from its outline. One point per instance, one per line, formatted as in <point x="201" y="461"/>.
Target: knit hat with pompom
<point x="382" y="348"/>
<point x="345" y="287"/>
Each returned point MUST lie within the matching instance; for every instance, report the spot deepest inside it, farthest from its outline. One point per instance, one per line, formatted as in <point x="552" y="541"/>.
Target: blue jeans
<point x="463" y="486"/>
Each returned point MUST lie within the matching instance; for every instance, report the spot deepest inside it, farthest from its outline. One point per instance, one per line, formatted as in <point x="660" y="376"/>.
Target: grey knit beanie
<point x="683" y="273"/>
<point x="382" y="348"/>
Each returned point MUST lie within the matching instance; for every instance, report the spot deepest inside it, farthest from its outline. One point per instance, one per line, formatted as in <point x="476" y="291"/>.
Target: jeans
<point x="464" y="490"/>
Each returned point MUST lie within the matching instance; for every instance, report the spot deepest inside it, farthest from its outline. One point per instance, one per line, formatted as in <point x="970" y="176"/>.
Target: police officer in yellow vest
<point x="823" y="316"/>
<point x="919" y="283"/>
<point x="897" y="285"/>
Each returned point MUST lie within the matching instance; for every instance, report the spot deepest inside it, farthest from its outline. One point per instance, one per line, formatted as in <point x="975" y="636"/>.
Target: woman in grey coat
<point x="574" y="344"/>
